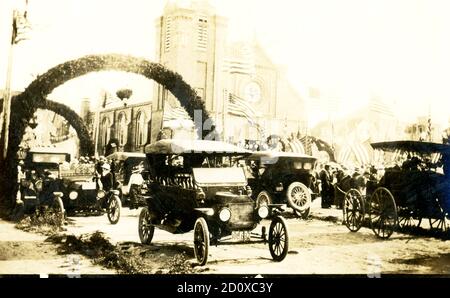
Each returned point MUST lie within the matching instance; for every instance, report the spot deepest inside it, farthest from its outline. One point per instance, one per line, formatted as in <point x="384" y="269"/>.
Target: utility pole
<point x="19" y="25"/>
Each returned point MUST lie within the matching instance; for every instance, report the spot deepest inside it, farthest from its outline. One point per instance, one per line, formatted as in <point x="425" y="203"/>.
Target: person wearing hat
<point x="135" y="184"/>
<point x="106" y="178"/>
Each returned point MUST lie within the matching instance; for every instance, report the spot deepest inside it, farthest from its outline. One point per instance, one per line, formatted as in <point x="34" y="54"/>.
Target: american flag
<point x="240" y="107"/>
<point x="378" y="106"/>
<point x="174" y="113"/>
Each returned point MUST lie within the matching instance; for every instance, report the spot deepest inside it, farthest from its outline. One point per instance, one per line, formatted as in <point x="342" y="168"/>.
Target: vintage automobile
<point x="130" y="175"/>
<point x="196" y="185"/>
<point x="407" y="193"/>
<point x="82" y="193"/>
<point x="283" y="177"/>
<point x="40" y="186"/>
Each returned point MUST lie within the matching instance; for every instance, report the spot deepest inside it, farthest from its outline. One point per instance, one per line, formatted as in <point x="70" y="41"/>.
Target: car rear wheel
<point x="298" y="196"/>
<point x="278" y="239"/>
<point x="113" y="210"/>
<point x="145" y="228"/>
<point x="201" y="241"/>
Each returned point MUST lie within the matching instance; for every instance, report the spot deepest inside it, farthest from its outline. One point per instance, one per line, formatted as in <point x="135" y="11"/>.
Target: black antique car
<point x="417" y="187"/>
<point x="82" y="193"/>
<point x="130" y="170"/>
<point x="40" y="184"/>
<point x="196" y="185"/>
<point x="283" y="177"/>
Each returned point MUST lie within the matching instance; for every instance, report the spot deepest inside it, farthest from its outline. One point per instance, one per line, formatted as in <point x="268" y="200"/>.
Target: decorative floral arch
<point x="35" y="95"/>
<point x="86" y="144"/>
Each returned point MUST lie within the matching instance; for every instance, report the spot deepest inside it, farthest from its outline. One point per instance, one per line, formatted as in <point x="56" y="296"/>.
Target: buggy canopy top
<point x="413" y="146"/>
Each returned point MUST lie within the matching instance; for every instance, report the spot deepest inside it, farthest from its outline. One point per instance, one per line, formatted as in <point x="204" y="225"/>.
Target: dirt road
<point x="316" y="247"/>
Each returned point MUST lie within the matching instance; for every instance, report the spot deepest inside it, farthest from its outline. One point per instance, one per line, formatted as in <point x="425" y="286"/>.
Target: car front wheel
<point x="113" y="210"/>
<point x="201" y="241"/>
<point x="145" y="228"/>
<point x="278" y="239"/>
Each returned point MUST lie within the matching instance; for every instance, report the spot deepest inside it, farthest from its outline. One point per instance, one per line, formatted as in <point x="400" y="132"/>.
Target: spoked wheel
<point x="263" y="198"/>
<point x="201" y="241"/>
<point x="383" y="213"/>
<point x="406" y="220"/>
<point x="299" y="198"/>
<point x="353" y="210"/>
<point x="58" y="210"/>
<point x="113" y="209"/>
<point x="145" y="228"/>
<point x="439" y="222"/>
<point x="278" y="239"/>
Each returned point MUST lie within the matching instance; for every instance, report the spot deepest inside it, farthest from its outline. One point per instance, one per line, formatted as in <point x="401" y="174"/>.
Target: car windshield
<point x="219" y="176"/>
<point x="48" y="158"/>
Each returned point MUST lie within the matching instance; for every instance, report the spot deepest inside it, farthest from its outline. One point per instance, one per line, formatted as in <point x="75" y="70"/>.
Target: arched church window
<point x="140" y="129"/>
<point x="122" y="129"/>
<point x="105" y="131"/>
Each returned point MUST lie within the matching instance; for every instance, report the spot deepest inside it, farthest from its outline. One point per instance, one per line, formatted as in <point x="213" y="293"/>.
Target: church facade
<point x="244" y="92"/>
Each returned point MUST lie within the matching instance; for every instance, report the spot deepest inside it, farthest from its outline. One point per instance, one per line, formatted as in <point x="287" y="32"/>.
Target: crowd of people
<point x="335" y="180"/>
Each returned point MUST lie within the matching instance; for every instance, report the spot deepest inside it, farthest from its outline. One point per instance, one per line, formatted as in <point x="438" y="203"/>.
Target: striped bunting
<point x="354" y="152"/>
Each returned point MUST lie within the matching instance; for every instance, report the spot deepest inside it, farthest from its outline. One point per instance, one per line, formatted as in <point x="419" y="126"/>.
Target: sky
<point x="396" y="50"/>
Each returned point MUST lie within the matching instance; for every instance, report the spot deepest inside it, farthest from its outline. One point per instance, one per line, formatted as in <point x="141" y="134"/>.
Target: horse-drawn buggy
<point x="416" y="189"/>
<point x="197" y="185"/>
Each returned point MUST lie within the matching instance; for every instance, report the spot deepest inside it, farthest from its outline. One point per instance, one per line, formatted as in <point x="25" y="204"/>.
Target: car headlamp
<point x="263" y="211"/>
<point x="225" y="214"/>
<point x="73" y="195"/>
<point x="101" y="194"/>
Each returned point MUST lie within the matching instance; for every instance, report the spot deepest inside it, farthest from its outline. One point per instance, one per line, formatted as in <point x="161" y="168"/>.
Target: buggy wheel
<point x="353" y="210"/>
<point x="298" y="196"/>
<point x="278" y="239"/>
<point x="113" y="209"/>
<point x="58" y="210"/>
<point x="383" y="213"/>
<point x="439" y="222"/>
<point x="145" y="228"/>
<point x="406" y="220"/>
<point x="201" y="241"/>
<point x="263" y="198"/>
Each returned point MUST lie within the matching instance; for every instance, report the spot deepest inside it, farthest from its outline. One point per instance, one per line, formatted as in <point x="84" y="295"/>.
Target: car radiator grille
<point x="242" y="216"/>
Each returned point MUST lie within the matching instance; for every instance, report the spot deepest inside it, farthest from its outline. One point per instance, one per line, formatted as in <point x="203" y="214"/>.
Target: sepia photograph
<point x="239" y="138"/>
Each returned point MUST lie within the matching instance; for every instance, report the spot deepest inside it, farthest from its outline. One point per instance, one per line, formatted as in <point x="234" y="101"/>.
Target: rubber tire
<point x="201" y="226"/>
<point x="145" y="215"/>
<point x="278" y="257"/>
<point x="108" y="209"/>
